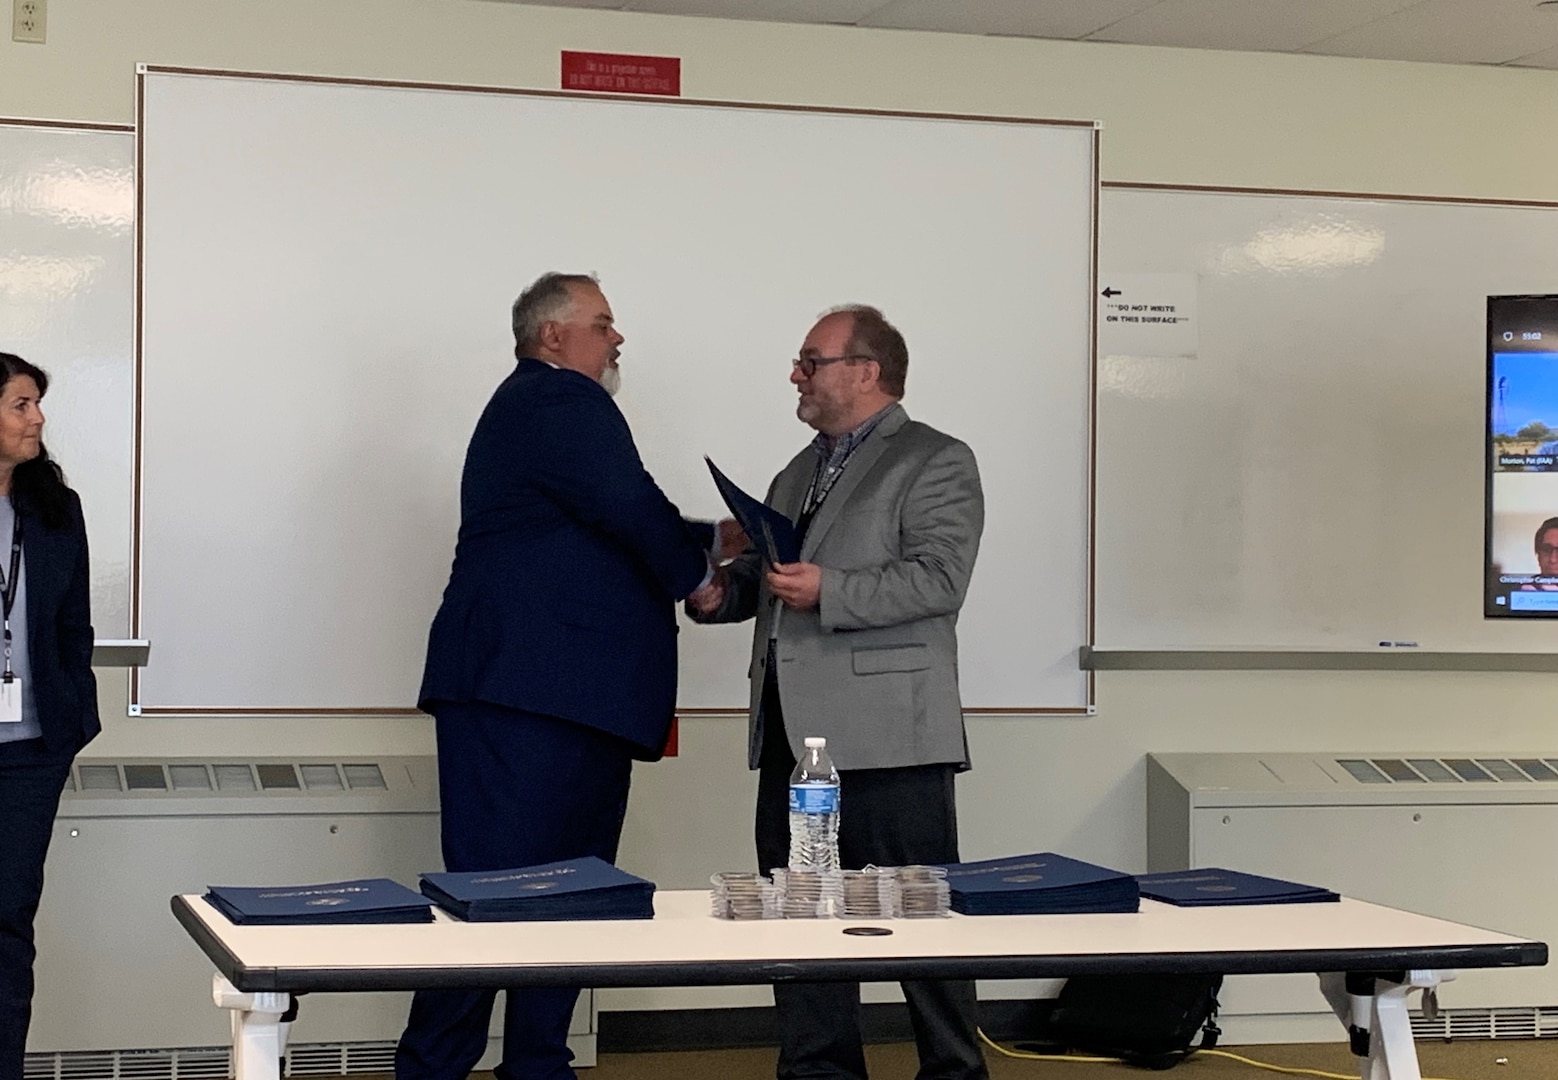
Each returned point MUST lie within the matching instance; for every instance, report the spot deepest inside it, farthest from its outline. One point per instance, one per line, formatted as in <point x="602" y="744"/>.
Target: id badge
<point x="11" y="700"/>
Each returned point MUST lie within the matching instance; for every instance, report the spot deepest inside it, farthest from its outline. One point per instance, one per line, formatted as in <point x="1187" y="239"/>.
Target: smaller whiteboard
<point x="1311" y="475"/>
<point x="326" y="278"/>
<point x="67" y="281"/>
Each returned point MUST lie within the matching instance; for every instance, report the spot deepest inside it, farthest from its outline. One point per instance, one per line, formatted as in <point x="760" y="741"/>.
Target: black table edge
<point x="758" y="972"/>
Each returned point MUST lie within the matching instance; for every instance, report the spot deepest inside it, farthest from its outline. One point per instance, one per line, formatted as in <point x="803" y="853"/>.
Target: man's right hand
<point x="707" y="600"/>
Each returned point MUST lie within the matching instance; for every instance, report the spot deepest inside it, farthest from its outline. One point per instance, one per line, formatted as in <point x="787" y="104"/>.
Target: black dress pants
<point x="31" y="779"/>
<point x="887" y="817"/>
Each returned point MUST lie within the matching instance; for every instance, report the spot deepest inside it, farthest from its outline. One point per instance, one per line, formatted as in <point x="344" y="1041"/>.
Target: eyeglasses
<point x="808" y="365"/>
<point x="1546" y="551"/>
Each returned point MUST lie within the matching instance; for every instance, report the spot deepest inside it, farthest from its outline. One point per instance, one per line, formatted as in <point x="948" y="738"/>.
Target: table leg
<point x="1374" y="1008"/>
<point x="259" y="1033"/>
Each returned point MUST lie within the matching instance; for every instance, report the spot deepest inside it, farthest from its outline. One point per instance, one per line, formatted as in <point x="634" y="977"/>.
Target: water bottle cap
<point x="815" y="742"/>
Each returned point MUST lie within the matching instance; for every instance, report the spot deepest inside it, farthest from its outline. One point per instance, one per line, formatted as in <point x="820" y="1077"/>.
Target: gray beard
<point x="611" y="380"/>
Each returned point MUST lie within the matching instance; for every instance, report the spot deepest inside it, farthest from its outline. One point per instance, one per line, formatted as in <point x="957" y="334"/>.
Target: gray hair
<point x="547" y="299"/>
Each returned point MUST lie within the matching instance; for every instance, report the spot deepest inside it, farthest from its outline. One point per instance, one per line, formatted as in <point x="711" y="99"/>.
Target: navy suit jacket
<point x="568" y="565"/>
<point x="59" y="628"/>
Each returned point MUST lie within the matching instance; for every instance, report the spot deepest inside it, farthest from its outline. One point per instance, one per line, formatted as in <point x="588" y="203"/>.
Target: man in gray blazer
<point x="857" y="642"/>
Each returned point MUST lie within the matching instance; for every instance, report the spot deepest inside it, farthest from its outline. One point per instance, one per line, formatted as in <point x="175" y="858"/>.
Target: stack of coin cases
<point x="923" y="892"/>
<point x="805" y="893"/>
<point x="871" y="893"/>
<point x="743" y="895"/>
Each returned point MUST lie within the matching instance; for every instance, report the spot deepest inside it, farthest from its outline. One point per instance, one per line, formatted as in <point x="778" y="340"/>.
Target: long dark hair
<point x="38" y="485"/>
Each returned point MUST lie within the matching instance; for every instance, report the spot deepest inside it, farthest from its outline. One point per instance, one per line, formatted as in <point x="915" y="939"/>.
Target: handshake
<point x="797" y="585"/>
<point x="729" y="541"/>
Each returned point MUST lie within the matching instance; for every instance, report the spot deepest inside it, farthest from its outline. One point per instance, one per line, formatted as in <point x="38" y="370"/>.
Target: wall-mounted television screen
<point x="1522" y="467"/>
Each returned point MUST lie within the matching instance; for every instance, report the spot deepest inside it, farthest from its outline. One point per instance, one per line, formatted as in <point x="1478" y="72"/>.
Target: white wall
<point x="1169" y="116"/>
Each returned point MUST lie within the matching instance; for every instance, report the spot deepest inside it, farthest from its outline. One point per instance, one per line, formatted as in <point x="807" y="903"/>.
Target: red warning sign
<point x="616" y="73"/>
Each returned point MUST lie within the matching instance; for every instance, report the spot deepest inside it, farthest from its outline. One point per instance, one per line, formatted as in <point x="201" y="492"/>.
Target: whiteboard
<point x="326" y="276"/>
<point x="1310" y="473"/>
<point x="67" y="272"/>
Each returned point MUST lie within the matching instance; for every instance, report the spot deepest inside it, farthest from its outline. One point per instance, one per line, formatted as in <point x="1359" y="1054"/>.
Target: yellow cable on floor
<point x="1289" y="1070"/>
<point x="1285" y="1068"/>
<point x="1026" y="1056"/>
<point x="1292" y="1070"/>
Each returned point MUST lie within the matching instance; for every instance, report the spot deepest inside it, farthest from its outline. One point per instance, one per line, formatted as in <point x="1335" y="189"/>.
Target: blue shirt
<point x="29" y="728"/>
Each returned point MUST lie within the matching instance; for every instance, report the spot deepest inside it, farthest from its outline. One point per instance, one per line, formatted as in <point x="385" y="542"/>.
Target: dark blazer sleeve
<point x="76" y="637"/>
<point x="585" y="460"/>
<point x="59" y="629"/>
<point x="704" y="532"/>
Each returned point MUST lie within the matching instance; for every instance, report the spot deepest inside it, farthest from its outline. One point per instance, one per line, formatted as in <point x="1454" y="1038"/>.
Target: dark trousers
<point x="31" y="779"/>
<point x="887" y="817"/>
<point x="516" y="789"/>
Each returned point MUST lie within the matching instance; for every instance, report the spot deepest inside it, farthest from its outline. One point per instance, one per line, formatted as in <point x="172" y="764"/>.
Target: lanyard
<point x="823" y="478"/>
<point x="826" y="474"/>
<point x="8" y="586"/>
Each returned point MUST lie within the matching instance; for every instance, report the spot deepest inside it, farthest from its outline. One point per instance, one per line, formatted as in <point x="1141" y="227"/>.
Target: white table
<point x="1377" y="953"/>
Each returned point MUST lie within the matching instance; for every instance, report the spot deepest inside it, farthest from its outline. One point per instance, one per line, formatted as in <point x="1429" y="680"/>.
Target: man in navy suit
<point x="551" y="665"/>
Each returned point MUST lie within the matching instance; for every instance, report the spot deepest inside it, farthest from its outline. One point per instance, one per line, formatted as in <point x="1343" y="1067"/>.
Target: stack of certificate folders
<point x="1215" y="887"/>
<point x="1040" y="884"/>
<point x="576" y="889"/>
<point x="335" y="903"/>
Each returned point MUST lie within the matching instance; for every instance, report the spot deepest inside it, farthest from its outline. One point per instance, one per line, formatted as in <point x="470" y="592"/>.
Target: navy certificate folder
<point x="369" y="900"/>
<point x="1215" y="887"/>
<point x="587" y="888"/>
<point x="1039" y="884"/>
<point x="771" y="532"/>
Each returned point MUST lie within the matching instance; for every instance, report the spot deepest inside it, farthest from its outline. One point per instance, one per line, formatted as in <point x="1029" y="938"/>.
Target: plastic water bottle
<point x="814" y="809"/>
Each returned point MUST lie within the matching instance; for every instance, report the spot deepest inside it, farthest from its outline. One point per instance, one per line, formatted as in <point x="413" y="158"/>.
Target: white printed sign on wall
<point x="1147" y="315"/>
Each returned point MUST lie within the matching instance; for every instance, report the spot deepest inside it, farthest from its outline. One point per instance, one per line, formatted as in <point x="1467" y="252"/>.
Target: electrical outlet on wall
<point x="28" y="20"/>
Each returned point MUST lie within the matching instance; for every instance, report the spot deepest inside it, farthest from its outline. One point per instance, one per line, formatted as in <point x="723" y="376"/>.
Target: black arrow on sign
<point x="1111" y="292"/>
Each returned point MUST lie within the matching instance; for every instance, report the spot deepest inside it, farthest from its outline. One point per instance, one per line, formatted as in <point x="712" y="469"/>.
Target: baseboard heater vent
<point x="341" y="1059"/>
<point x="207" y="1062"/>
<point x="228" y="778"/>
<point x="191" y="1063"/>
<point x="1539" y="1022"/>
<point x="1450" y="770"/>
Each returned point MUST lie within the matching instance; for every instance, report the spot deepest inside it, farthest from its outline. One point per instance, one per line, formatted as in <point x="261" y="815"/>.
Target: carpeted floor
<point x="1522" y="1059"/>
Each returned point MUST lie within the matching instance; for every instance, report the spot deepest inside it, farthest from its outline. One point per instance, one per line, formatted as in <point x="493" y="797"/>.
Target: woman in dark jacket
<point x="48" y="695"/>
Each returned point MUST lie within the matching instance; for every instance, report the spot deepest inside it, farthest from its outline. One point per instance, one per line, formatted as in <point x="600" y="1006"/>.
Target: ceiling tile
<point x="609" y="5"/>
<point x="1515" y="32"/>
<point x="1023" y="18"/>
<point x="1261" y="25"/>
<point x="1546" y="58"/>
<point x="792" y="11"/>
<point x="1452" y="31"/>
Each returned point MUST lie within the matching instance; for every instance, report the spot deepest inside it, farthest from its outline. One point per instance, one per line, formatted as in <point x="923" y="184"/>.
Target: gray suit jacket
<point x="874" y="668"/>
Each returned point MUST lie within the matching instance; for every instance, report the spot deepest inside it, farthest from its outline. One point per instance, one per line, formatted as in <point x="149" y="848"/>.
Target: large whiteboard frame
<point x="325" y="271"/>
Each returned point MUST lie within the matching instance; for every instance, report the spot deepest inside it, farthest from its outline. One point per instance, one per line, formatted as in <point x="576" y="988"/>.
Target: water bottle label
<point x="814" y="799"/>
